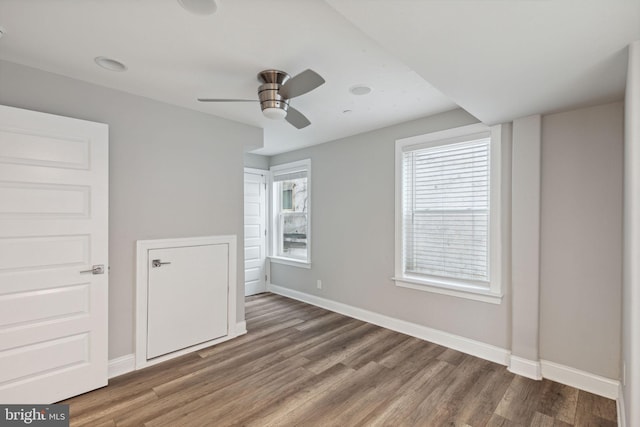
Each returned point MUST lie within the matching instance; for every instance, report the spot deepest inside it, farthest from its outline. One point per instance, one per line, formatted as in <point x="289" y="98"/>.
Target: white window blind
<point x="289" y="176"/>
<point x="445" y="203"/>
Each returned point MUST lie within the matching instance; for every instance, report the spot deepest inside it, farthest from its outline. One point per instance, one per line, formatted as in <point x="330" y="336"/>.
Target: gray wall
<point x="353" y="236"/>
<point x="581" y="238"/>
<point x="173" y="173"/>
<point x="256" y="161"/>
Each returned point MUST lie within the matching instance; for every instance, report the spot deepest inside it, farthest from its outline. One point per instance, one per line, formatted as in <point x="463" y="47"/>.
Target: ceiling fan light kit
<point x="276" y="90"/>
<point x="273" y="104"/>
<point x="274" y="113"/>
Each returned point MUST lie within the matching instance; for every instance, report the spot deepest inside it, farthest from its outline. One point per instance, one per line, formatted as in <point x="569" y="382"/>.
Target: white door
<point x="187" y="297"/>
<point x="53" y="230"/>
<point x="254" y="231"/>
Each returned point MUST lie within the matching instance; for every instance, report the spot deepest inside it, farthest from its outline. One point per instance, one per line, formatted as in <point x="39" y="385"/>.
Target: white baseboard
<point x="241" y="328"/>
<point x="122" y="365"/>
<point x="456" y="342"/>
<point x="580" y="379"/>
<point x="525" y="367"/>
<point x="528" y="368"/>
<point x="254" y="288"/>
<point x="622" y="416"/>
<point x="125" y="364"/>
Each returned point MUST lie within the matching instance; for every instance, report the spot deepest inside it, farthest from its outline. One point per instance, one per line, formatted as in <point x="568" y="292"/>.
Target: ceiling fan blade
<point x="226" y="100"/>
<point x="304" y="82"/>
<point x="296" y="118"/>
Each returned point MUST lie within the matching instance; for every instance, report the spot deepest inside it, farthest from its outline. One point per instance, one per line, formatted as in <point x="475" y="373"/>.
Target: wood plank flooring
<point x="300" y="365"/>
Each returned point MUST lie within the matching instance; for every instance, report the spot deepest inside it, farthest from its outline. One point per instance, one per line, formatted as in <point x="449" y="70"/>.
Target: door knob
<point x="158" y="263"/>
<point x="96" y="269"/>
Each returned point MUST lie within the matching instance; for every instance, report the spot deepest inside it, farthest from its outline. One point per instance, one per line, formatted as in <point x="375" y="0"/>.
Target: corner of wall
<point x="620" y="408"/>
<point x="525" y="367"/>
<point x="122" y="365"/>
<point x="525" y="241"/>
<point x="631" y="269"/>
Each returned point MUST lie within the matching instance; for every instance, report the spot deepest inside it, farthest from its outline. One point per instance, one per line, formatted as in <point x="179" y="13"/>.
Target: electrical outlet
<point x="319" y="284"/>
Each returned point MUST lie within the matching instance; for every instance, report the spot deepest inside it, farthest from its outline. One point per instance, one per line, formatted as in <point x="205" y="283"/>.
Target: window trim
<point x="273" y="240"/>
<point x="458" y="288"/>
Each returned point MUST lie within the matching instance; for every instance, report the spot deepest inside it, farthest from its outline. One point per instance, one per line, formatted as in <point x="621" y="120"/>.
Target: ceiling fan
<point x="276" y="90"/>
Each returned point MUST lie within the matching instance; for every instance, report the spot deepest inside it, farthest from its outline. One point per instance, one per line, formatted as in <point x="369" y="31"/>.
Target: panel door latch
<point x="96" y="269"/>
<point x="158" y="263"/>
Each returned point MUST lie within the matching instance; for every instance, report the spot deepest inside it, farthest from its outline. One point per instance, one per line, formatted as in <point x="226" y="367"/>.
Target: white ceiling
<point x="175" y="56"/>
<point x="504" y="59"/>
<point x="498" y="59"/>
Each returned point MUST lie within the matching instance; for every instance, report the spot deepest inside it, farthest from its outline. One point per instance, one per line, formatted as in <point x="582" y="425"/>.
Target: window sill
<point x="461" y="291"/>
<point x="290" y="262"/>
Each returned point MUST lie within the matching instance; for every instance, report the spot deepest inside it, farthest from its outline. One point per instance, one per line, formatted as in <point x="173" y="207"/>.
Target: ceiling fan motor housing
<point x="269" y="90"/>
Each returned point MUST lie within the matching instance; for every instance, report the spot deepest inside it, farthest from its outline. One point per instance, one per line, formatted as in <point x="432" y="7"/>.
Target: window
<point x="291" y="226"/>
<point x="448" y="212"/>
<point x="287" y="195"/>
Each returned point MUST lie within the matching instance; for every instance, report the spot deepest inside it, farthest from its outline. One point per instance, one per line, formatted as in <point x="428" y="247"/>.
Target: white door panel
<point x="19" y="253"/>
<point x="44" y="143"/>
<point x="53" y="225"/>
<point x="254" y="232"/>
<point x="252" y="253"/>
<point x="252" y="209"/>
<point x="42" y="200"/>
<point x="39" y="306"/>
<point x="252" y="274"/>
<point x="187" y="297"/>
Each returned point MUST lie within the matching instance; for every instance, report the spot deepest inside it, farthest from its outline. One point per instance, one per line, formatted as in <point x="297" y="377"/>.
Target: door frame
<point x="142" y="278"/>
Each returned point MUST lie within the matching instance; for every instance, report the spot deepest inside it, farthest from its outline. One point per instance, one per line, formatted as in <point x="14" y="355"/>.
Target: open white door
<point x="255" y="235"/>
<point x="53" y="233"/>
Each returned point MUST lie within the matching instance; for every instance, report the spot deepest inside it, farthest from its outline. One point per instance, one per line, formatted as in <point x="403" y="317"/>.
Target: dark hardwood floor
<point x="300" y="365"/>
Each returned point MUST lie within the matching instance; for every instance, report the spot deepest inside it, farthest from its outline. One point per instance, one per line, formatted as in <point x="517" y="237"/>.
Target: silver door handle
<point x="96" y="269"/>
<point x="158" y="263"/>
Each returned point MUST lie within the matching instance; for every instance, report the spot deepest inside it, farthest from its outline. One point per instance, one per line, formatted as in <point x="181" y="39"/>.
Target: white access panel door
<point x="187" y="297"/>
<point x="53" y="226"/>
<point x="254" y="232"/>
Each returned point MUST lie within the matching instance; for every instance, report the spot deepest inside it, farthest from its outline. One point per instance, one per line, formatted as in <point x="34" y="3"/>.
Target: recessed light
<point x="199" y="7"/>
<point x="110" y="64"/>
<point x="360" y="89"/>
